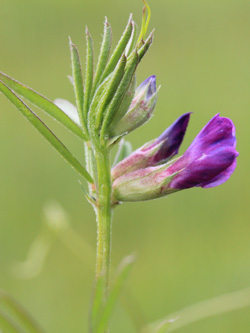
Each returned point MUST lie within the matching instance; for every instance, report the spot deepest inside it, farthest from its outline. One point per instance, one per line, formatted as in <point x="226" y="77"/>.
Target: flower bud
<point x="140" y="110"/>
<point x="155" y="152"/>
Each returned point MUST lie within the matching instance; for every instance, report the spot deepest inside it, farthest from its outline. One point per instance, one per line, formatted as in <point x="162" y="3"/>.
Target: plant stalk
<point x="104" y="217"/>
<point x="104" y="223"/>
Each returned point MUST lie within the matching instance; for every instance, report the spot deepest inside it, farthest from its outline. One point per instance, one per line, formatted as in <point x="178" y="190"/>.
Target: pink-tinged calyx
<point x="157" y="151"/>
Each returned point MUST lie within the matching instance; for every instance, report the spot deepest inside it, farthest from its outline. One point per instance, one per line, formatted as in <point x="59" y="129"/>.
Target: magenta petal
<point x="221" y="177"/>
<point x="203" y="169"/>
<point x="218" y="132"/>
<point x="211" y="158"/>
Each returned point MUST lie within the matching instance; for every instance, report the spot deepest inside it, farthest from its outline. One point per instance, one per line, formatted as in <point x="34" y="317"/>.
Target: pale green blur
<point x="190" y="246"/>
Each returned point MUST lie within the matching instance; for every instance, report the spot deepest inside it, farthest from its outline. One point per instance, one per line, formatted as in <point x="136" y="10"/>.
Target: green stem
<point x="104" y="216"/>
<point x="104" y="222"/>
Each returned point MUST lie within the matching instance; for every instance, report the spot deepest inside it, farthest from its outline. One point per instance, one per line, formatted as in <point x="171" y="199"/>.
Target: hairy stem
<point x="104" y="222"/>
<point x="104" y="216"/>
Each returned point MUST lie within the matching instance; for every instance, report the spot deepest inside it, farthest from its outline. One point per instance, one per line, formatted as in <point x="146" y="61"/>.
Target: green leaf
<point x="124" y="150"/>
<point x="89" y="72"/>
<point x="43" y="103"/>
<point x="109" y="92"/>
<point x="119" y="95"/>
<point x="98" y="96"/>
<point x="123" y="271"/>
<point x="144" y="48"/>
<point x="44" y="130"/>
<point x="119" y="50"/>
<point x="19" y="314"/>
<point x="78" y="83"/>
<point x="103" y="55"/>
<point x="132" y="42"/>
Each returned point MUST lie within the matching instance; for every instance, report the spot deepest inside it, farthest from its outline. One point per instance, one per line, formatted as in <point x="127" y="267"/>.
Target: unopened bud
<point x="140" y="110"/>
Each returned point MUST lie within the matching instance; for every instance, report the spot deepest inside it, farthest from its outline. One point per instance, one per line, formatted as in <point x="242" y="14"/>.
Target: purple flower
<point x="209" y="161"/>
<point x="211" y="158"/>
<point x="157" y="151"/>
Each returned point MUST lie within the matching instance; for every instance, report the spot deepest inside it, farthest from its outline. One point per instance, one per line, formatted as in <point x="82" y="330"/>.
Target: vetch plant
<point x="109" y="105"/>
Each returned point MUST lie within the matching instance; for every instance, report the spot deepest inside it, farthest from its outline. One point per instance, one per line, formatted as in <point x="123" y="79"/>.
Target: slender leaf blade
<point x="119" y="50"/>
<point x="89" y="72"/>
<point x="132" y="42"/>
<point x="44" y="130"/>
<point x="96" y="114"/>
<point x="78" y="82"/>
<point x="119" y="95"/>
<point x="43" y="103"/>
<point x="117" y="77"/>
<point x="98" y="97"/>
<point x="103" y="55"/>
<point x="144" y="48"/>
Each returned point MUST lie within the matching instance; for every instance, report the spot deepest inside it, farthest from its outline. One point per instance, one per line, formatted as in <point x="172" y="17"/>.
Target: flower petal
<point x="172" y="138"/>
<point x="218" y="132"/>
<point x="204" y="169"/>
<point x="221" y="177"/>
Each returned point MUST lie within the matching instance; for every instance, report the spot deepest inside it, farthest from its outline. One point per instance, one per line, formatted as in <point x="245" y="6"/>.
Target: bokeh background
<point x="190" y="246"/>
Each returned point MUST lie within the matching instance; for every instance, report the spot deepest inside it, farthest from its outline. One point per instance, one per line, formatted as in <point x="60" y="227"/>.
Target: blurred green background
<point x="190" y="246"/>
